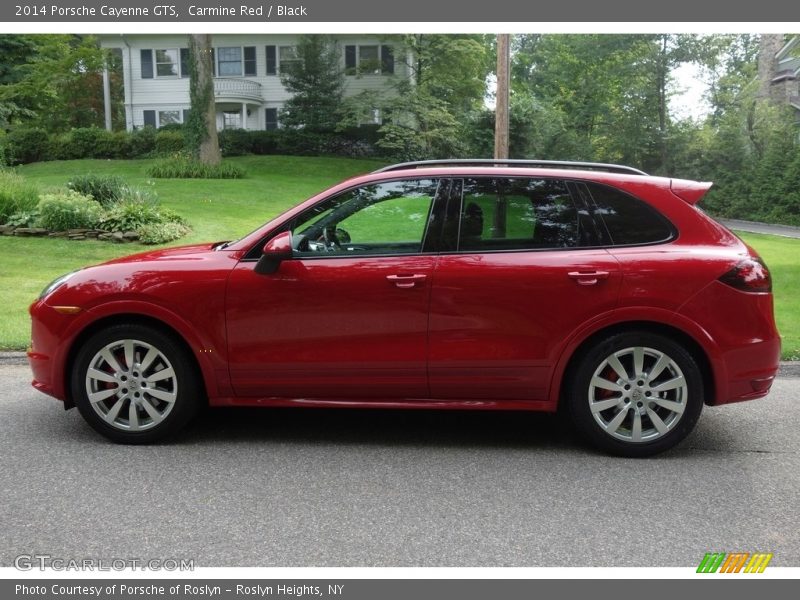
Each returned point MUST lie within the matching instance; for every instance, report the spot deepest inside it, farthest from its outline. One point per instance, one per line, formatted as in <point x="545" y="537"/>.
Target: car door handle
<point x="587" y="277"/>
<point x="406" y="281"/>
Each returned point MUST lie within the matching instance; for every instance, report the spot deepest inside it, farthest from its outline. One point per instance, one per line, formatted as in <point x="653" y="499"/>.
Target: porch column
<point x="107" y="97"/>
<point x="244" y="115"/>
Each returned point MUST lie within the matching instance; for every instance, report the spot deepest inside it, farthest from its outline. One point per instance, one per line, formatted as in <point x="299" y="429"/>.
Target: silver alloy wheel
<point x="638" y="394"/>
<point x="131" y="385"/>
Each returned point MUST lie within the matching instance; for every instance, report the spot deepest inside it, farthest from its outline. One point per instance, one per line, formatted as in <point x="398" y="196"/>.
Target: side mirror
<point x="276" y="250"/>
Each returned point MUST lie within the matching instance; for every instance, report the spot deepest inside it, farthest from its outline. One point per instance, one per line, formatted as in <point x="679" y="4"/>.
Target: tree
<point x="316" y="82"/>
<point x="201" y="129"/>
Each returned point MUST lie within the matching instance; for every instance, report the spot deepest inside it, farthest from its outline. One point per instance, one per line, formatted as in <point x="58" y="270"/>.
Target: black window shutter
<point x="149" y="118"/>
<point x="272" y="60"/>
<point x="250" y="60"/>
<point x="147" y="64"/>
<point x="186" y="115"/>
<point x="213" y="63"/>
<point x="387" y="60"/>
<point x="350" y="58"/>
<point x="184" y="62"/>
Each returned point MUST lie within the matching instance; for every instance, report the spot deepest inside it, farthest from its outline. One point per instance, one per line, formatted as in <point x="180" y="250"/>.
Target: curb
<point x="787" y="368"/>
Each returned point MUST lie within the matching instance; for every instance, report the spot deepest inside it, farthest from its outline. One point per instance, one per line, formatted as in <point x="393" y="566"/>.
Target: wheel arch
<point x="578" y="348"/>
<point x="130" y="319"/>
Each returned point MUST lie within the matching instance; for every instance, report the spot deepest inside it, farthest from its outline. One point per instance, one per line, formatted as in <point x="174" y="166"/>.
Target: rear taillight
<point x="750" y="275"/>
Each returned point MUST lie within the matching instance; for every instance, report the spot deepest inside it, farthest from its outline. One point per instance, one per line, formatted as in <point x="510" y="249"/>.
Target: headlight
<point x="55" y="284"/>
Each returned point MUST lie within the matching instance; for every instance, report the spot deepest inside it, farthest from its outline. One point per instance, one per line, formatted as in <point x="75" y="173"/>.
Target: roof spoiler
<point x="689" y="191"/>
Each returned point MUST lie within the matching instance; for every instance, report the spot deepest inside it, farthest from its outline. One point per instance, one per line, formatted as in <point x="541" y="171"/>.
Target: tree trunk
<point x="501" y="104"/>
<point x="203" y="116"/>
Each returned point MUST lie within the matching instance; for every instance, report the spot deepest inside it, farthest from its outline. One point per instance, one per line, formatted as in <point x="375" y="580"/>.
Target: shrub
<point x="169" y="142"/>
<point x="160" y="233"/>
<point x="235" y="142"/>
<point x="264" y="142"/>
<point x="26" y="145"/>
<point x="130" y="216"/>
<point x="86" y="142"/>
<point x="16" y="195"/>
<point x="142" y="142"/>
<point x="105" y="189"/>
<point x="25" y="218"/>
<point x="68" y="210"/>
<point x="181" y="166"/>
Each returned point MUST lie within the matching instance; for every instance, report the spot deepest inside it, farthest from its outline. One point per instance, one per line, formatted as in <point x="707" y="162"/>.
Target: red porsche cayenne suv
<point x="526" y="285"/>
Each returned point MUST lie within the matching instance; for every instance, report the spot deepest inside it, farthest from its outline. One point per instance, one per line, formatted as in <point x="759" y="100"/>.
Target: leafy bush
<point x="264" y="142"/>
<point x="16" y="195"/>
<point x="26" y="145"/>
<point x="25" y="218"/>
<point x="160" y="233"/>
<point x="130" y="216"/>
<point x="142" y="142"/>
<point x="105" y="189"/>
<point x="68" y="210"/>
<point x="138" y="195"/>
<point x="87" y="142"/>
<point x="235" y="142"/>
<point x="169" y="142"/>
<point x="181" y="166"/>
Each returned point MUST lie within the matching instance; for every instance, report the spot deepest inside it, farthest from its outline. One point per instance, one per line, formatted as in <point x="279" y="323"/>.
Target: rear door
<point x="519" y="278"/>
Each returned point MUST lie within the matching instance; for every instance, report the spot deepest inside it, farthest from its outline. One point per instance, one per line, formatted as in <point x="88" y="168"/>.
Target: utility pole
<point x="501" y="104"/>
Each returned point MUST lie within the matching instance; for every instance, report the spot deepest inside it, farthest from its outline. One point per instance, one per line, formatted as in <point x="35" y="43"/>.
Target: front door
<point x="347" y="316"/>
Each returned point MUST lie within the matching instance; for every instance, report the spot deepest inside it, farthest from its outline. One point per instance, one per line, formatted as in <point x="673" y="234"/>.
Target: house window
<point x="270" y="118"/>
<point x="236" y="61"/>
<point x="229" y="62"/>
<point x="167" y="62"/>
<point x="288" y="55"/>
<point x="369" y="60"/>
<point x="232" y="120"/>
<point x="168" y="117"/>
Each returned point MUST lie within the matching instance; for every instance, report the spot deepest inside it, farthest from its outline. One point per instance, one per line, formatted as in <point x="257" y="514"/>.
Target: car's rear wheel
<point x="636" y="394"/>
<point x="134" y="384"/>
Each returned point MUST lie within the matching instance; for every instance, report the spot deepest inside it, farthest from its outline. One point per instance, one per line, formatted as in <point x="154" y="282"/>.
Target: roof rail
<point x="513" y="162"/>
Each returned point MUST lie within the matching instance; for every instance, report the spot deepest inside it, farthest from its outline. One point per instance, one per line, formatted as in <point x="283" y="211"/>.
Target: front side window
<point x="382" y="218"/>
<point x="167" y="62"/>
<point x="517" y="214"/>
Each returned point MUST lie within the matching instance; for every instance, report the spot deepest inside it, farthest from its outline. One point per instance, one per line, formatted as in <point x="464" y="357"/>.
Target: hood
<point x="176" y="253"/>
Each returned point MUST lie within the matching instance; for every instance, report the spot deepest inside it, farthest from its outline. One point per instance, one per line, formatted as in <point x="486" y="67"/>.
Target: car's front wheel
<point x="636" y="394"/>
<point x="134" y="384"/>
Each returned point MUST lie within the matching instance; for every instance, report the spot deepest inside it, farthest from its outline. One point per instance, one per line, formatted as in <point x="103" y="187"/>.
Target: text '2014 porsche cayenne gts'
<point x="526" y="285"/>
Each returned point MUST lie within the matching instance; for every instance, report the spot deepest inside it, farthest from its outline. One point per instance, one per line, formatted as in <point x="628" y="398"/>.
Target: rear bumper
<point x="746" y="349"/>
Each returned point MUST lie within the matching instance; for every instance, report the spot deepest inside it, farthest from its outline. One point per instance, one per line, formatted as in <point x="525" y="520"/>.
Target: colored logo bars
<point x="735" y="562"/>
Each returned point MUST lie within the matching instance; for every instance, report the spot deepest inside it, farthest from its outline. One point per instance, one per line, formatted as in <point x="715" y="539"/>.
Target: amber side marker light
<point x="67" y="310"/>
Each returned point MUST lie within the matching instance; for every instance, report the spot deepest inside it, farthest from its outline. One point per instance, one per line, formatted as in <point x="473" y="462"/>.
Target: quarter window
<point x="384" y="218"/>
<point x="517" y="214"/>
<point x="629" y="221"/>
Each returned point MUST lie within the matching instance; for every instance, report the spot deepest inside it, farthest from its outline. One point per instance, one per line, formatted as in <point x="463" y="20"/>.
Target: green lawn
<point x="226" y="209"/>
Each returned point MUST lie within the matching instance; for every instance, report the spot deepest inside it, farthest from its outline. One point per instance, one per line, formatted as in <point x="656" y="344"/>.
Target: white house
<point x="247" y="67"/>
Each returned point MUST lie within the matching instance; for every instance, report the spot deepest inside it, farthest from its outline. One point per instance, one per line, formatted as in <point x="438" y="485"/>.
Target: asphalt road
<point x="388" y="488"/>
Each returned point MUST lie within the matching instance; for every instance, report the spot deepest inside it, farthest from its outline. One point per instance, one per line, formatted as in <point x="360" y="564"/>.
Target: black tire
<point x="144" y="402"/>
<point x="606" y="413"/>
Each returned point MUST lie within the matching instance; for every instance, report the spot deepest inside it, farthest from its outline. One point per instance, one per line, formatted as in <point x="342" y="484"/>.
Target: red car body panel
<point x="490" y="330"/>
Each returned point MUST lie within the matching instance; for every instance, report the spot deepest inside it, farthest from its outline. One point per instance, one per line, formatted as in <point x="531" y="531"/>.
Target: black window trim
<point x="440" y="198"/>
<point x="673" y="231"/>
<point x="460" y="199"/>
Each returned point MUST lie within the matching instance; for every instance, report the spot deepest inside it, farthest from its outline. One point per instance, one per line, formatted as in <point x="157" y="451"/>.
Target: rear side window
<point x="629" y="221"/>
<point x="517" y="214"/>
